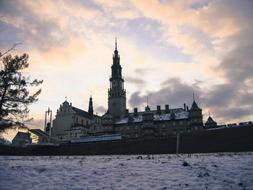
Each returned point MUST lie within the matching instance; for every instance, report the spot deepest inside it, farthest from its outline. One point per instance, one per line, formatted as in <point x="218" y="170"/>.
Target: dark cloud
<point x="100" y="109"/>
<point x="232" y="100"/>
<point x="136" y="81"/>
<point x="136" y="99"/>
<point x="235" y="98"/>
<point x="173" y="92"/>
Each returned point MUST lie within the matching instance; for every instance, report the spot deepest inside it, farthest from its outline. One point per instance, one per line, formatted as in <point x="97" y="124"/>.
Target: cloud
<point x="136" y="81"/>
<point x="233" y="100"/>
<point x="178" y="41"/>
<point x="100" y="109"/>
<point x="36" y="124"/>
<point x="173" y="92"/>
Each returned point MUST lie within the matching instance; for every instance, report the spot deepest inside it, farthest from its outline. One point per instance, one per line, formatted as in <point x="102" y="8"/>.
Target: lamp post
<point x="48" y="113"/>
<point x="177" y="148"/>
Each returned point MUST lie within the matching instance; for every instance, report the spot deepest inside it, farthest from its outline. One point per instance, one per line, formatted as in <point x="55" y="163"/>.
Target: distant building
<point x="71" y="122"/>
<point x="38" y="136"/>
<point x="210" y="123"/>
<point x="147" y="124"/>
<point x="21" y="139"/>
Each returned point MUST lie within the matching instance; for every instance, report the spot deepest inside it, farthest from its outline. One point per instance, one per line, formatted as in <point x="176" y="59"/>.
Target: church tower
<point x="116" y="92"/>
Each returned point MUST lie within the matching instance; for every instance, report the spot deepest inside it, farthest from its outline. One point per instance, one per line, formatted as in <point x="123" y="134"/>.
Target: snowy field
<point x="196" y="171"/>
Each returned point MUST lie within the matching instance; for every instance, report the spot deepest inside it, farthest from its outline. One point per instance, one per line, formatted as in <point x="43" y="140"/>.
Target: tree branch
<point x="12" y="48"/>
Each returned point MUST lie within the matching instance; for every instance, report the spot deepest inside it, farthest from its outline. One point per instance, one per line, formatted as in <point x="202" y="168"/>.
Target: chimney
<point x="184" y="107"/>
<point x="158" y="109"/>
<point x="187" y="108"/>
<point x="135" y="111"/>
<point x="167" y="108"/>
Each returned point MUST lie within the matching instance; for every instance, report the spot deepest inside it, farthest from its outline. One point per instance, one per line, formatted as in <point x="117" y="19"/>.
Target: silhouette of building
<point x="116" y="92"/>
<point x="147" y="124"/>
<point x="210" y="123"/>
<point x="72" y="122"/>
<point x="21" y="139"/>
<point x="38" y="136"/>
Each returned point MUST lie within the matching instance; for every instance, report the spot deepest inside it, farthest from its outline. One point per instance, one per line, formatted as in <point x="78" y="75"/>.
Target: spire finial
<point x="193" y="96"/>
<point x="147" y="100"/>
<point x="116" y="43"/>
<point x="90" y="109"/>
<point x="66" y="98"/>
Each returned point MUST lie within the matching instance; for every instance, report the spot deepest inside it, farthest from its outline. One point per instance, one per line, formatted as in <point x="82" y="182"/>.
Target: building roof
<point x="81" y="112"/>
<point x="21" y="136"/>
<point x="39" y="132"/>
<point x="195" y="106"/>
<point x="135" y="118"/>
<point x="210" y="120"/>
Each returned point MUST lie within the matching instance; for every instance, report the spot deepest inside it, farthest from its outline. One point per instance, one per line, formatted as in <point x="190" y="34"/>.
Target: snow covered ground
<point x="195" y="171"/>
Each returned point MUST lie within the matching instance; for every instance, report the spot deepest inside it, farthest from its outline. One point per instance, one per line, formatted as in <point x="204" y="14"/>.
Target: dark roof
<point x="39" y="132"/>
<point x="173" y="110"/>
<point x="81" y="112"/>
<point x="21" y="135"/>
<point x="210" y="120"/>
<point x="195" y="106"/>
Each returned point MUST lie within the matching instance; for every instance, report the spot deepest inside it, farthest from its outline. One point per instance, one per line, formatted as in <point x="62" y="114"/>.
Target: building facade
<point x="149" y="123"/>
<point x="71" y="122"/>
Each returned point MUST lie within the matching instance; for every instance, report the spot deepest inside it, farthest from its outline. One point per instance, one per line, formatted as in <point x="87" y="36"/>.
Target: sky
<point x="168" y="49"/>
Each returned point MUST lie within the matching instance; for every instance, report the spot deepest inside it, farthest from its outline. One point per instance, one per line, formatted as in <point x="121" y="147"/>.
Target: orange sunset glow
<point x="168" y="51"/>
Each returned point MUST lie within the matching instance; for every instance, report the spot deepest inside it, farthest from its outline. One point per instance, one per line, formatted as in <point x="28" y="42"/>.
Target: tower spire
<point x="90" y="111"/>
<point x="116" y="43"/>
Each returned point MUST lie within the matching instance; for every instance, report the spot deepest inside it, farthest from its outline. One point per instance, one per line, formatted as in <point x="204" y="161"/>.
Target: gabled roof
<point x="210" y="120"/>
<point x="39" y="132"/>
<point x="21" y="135"/>
<point x="81" y="112"/>
<point x="195" y="106"/>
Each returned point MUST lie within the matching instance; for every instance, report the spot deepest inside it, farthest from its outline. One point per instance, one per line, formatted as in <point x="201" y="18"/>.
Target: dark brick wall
<point x="223" y="140"/>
